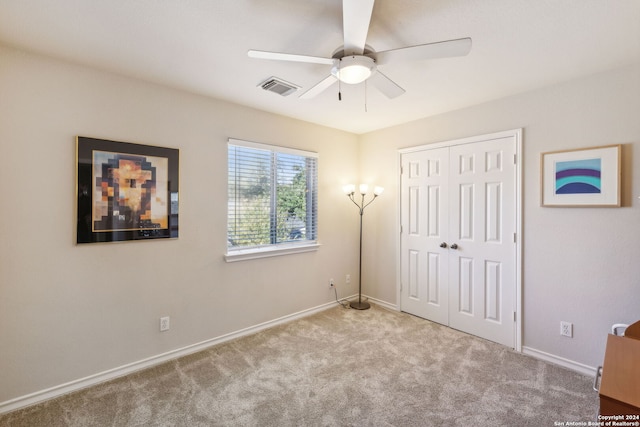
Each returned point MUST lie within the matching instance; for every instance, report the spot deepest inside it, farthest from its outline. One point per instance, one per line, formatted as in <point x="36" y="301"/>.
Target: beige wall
<point x="67" y="311"/>
<point x="581" y="265"/>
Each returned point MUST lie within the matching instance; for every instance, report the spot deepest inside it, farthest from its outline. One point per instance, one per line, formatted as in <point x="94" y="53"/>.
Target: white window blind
<point x="273" y="196"/>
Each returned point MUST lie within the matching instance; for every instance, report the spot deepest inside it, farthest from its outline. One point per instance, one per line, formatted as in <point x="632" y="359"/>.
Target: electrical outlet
<point x="566" y="329"/>
<point x="347" y="279"/>
<point x="164" y="324"/>
<point x="331" y="283"/>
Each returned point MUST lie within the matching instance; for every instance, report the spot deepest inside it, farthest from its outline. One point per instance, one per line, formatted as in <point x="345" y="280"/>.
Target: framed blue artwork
<point x="587" y="177"/>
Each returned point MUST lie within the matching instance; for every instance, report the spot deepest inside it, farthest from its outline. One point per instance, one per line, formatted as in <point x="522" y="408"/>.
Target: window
<point x="272" y="206"/>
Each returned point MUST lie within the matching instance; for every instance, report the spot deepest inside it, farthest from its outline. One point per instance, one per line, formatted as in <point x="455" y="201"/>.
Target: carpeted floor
<point x="340" y="367"/>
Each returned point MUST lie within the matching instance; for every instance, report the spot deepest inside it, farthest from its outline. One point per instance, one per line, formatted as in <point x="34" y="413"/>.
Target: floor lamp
<point x="350" y="191"/>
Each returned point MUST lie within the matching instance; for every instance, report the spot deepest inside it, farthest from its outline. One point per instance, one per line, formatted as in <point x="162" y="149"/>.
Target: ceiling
<point x="201" y="46"/>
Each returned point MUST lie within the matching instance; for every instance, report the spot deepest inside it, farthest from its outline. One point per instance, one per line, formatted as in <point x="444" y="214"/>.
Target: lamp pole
<point x="350" y="192"/>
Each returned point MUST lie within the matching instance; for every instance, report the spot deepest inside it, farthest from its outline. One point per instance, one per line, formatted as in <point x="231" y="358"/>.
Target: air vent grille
<point x="279" y="86"/>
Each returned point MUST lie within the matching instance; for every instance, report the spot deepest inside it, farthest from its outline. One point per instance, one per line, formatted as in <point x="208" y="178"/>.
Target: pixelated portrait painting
<point x="126" y="191"/>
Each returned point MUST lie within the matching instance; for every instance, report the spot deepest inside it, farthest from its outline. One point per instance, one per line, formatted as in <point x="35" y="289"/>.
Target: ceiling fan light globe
<point x="353" y="69"/>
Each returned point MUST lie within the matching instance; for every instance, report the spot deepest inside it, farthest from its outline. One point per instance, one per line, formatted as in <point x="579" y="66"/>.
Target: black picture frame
<point x="125" y="191"/>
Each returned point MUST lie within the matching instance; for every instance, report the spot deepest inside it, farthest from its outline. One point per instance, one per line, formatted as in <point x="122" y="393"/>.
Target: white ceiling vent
<point x="279" y="86"/>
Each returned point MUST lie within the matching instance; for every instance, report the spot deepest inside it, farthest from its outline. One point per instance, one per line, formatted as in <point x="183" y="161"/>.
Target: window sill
<point x="271" y="251"/>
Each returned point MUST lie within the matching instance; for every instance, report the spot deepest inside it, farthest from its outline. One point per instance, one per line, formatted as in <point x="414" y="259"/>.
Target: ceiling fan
<point x="356" y="62"/>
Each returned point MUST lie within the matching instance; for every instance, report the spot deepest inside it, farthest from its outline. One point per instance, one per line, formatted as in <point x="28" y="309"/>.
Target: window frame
<point x="273" y="249"/>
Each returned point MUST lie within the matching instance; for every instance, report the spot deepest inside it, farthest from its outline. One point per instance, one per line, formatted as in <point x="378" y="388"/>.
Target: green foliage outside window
<point x="269" y="195"/>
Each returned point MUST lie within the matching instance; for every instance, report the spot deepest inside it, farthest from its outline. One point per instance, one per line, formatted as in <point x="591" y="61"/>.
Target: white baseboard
<point x="384" y="304"/>
<point x="557" y="360"/>
<point x="60" y="390"/>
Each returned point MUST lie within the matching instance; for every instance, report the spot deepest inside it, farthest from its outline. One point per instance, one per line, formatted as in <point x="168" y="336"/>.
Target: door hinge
<point x="401" y="170"/>
<point x="515" y="159"/>
<point x="515" y="319"/>
<point x="401" y="229"/>
<point x="515" y="238"/>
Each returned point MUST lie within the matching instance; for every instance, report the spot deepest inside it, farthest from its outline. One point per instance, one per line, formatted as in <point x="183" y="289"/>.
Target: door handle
<point x="443" y="245"/>
<point x="454" y="246"/>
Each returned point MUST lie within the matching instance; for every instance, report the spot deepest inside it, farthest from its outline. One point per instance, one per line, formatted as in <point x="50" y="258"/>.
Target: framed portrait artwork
<point x="588" y="177"/>
<point x="125" y="191"/>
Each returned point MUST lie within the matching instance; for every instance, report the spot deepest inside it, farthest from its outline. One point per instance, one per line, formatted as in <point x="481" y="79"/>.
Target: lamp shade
<point x="378" y="190"/>
<point x="349" y="189"/>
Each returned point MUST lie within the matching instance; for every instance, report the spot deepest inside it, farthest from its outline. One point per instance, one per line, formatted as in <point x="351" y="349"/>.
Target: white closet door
<point x="482" y="256"/>
<point x="458" y="250"/>
<point x="424" y="263"/>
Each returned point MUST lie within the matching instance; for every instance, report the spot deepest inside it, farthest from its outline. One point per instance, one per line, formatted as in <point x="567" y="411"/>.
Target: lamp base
<point x="359" y="305"/>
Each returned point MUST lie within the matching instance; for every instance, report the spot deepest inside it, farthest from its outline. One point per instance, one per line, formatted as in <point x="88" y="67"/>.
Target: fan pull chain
<point x="339" y="82"/>
<point x="365" y="96"/>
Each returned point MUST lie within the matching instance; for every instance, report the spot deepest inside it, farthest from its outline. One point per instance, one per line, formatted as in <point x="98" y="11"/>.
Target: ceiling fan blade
<point x="276" y="56"/>
<point x="356" y="16"/>
<point x="319" y="87"/>
<point x="385" y="85"/>
<point x="444" y="49"/>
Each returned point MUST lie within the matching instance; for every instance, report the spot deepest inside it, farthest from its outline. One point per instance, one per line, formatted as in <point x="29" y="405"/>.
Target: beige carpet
<point x="340" y="367"/>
